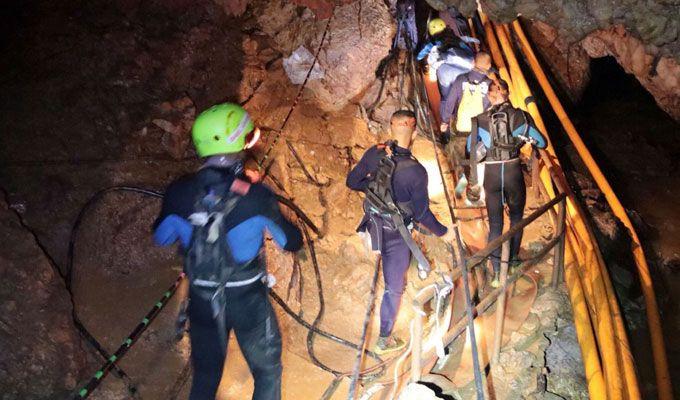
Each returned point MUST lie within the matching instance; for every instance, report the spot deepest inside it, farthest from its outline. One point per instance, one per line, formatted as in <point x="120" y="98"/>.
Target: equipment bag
<point x="471" y="104"/>
<point x="380" y="202"/>
<point x="505" y="146"/>
<point x="209" y="262"/>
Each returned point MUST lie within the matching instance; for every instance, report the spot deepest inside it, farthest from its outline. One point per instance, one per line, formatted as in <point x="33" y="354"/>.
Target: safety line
<point x="299" y="93"/>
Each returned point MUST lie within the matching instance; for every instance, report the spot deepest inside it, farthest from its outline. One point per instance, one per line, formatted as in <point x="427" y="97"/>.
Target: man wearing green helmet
<point x="219" y="218"/>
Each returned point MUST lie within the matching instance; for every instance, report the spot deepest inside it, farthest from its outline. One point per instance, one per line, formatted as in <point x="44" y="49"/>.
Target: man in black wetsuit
<point x="220" y="134"/>
<point x="409" y="189"/>
<point x="500" y="133"/>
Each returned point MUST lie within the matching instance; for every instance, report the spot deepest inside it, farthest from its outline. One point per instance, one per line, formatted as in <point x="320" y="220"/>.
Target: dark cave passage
<point x="637" y="145"/>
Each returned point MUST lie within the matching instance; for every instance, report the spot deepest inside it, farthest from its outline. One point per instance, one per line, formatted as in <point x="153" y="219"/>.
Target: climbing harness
<point x="112" y="360"/>
<point x="382" y="206"/>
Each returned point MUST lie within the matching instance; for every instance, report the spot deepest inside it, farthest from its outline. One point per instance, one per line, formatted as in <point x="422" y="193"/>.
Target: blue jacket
<point x="408" y="184"/>
<point x="257" y="211"/>
<point x="533" y="135"/>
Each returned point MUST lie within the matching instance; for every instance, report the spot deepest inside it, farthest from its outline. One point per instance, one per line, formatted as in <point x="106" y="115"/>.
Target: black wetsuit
<point x="503" y="178"/>
<point x="248" y="310"/>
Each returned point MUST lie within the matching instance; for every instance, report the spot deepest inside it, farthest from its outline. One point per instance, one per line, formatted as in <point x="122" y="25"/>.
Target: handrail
<point x="420" y="360"/>
<point x="610" y="350"/>
<point x="660" y="361"/>
<point x="585" y="322"/>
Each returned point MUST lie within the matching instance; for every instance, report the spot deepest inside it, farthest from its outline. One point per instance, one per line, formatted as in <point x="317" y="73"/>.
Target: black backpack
<point x="379" y="194"/>
<point x="505" y="146"/>
<point x="208" y="261"/>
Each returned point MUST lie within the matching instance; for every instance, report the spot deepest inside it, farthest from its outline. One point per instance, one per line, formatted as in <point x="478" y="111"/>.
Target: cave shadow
<point x="83" y="86"/>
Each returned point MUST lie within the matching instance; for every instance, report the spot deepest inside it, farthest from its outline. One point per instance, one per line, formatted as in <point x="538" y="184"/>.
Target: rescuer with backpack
<point x="448" y="55"/>
<point x="395" y="185"/>
<point x="219" y="218"/>
<point x="497" y="137"/>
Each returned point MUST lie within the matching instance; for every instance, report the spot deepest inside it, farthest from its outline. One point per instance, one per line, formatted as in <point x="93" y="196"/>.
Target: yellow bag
<point x="471" y="104"/>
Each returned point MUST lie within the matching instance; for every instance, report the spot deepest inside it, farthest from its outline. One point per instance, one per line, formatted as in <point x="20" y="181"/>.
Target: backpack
<point x="471" y="104"/>
<point x="505" y="146"/>
<point x="380" y="200"/>
<point x="379" y="192"/>
<point x="208" y="261"/>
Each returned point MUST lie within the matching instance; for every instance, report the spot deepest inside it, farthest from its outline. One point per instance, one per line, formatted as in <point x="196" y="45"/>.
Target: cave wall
<point x="642" y="36"/>
<point x="41" y="355"/>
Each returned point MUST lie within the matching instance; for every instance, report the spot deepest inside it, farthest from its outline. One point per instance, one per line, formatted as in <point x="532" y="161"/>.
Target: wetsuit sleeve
<point x="420" y="201"/>
<point x="450" y="105"/>
<point x="172" y="224"/>
<point x="358" y="177"/>
<point x="284" y="232"/>
<point x="534" y="133"/>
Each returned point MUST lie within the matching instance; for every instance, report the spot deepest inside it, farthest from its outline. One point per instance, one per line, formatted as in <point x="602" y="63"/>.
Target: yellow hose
<point x="582" y="319"/>
<point x="654" y="322"/>
<point x="609" y="349"/>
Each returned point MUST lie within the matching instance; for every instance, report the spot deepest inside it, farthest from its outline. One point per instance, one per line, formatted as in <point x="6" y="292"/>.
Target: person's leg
<point x="207" y="351"/>
<point x="259" y="338"/>
<point x="396" y="258"/>
<point x="515" y="196"/>
<point x="494" y="208"/>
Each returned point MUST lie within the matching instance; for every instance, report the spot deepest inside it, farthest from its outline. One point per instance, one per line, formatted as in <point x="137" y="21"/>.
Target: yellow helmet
<point x="436" y="26"/>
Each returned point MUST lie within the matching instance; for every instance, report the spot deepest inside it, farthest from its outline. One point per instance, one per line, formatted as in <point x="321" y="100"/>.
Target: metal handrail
<point x="421" y="360"/>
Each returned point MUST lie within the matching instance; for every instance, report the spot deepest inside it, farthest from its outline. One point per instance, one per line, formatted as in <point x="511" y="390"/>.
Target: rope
<point x="129" y="341"/>
<point x="299" y="93"/>
<point x="364" y="332"/>
<point x="459" y="243"/>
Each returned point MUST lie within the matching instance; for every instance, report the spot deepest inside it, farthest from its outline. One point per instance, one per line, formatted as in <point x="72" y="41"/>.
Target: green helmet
<point x="221" y="129"/>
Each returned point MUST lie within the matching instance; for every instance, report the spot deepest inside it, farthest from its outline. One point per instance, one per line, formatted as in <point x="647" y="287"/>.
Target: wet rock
<point x="42" y="356"/>
<point x="643" y="37"/>
<point x="566" y="376"/>
<point x="359" y="37"/>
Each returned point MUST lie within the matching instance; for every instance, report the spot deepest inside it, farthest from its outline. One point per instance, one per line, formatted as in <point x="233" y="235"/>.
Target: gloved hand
<point x="474" y="193"/>
<point x="528" y="139"/>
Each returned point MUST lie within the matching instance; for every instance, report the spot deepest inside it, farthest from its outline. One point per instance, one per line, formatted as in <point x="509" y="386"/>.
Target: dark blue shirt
<point x="408" y="184"/>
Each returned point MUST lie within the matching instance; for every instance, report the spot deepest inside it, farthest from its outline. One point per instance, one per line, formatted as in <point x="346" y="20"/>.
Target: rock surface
<point x="359" y="36"/>
<point x="41" y="356"/>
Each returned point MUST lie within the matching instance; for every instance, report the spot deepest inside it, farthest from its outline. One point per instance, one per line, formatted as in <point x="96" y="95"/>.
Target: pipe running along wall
<point x="653" y="320"/>
<point x="591" y="294"/>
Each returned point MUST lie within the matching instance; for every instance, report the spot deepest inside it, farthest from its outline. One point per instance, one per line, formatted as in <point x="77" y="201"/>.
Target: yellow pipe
<point x="582" y="321"/>
<point x="663" y="381"/>
<point x="497" y="56"/>
<point x="604" y="326"/>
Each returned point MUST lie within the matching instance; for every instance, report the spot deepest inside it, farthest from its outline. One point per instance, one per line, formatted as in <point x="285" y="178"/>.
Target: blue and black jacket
<point x="257" y="211"/>
<point x="520" y="125"/>
<point x="408" y="185"/>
